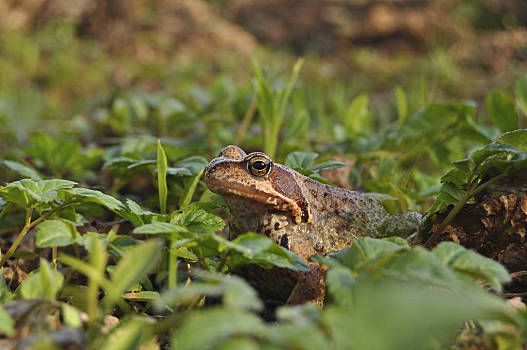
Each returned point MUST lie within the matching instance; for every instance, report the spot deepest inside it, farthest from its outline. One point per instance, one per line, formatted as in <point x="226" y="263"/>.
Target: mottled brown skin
<point x="300" y="214"/>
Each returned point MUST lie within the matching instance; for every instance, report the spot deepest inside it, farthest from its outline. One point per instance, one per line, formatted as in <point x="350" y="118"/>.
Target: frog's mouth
<point x="275" y="203"/>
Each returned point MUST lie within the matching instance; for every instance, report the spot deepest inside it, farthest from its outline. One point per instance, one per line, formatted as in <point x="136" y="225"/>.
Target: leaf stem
<point x="459" y="205"/>
<point x="20" y="237"/>
<point x="4" y="211"/>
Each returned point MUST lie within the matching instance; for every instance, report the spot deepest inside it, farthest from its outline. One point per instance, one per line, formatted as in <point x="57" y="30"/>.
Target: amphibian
<point x="301" y="214"/>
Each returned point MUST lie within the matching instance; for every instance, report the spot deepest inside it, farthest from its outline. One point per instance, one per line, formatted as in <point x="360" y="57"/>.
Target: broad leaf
<point x="135" y="264"/>
<point x="42" y="283"/>
<point x="521" y="94"/>
<point x="23" y="170"/>
<point x="208" y="329"/>
<point x="7" y="325"/>
<point x="501" y="111"/>
<point x="28" y="193"/>
<point x="300" y="160"/>
<point x="471" y="263"/>
<point x="56" y="233"/>
<point x="93" y="196"/>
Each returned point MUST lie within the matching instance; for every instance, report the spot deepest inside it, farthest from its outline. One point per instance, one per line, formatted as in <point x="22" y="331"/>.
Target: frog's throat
<point x="277" y="201"/>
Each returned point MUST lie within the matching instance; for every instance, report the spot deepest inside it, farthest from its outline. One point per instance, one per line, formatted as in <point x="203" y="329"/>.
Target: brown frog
<point x="301" y="214"/>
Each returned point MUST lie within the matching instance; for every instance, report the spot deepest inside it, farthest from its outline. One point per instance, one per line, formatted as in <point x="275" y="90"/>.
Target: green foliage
<point x="481" y="169"/>
<point x="272" y="105"/>
<point x="42" y="283"/>
<point x="167" y="274"/>
<point x="162" y="177"/>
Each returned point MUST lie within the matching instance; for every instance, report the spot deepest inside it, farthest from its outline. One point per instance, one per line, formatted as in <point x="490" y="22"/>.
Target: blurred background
<point x="107" y="78"/>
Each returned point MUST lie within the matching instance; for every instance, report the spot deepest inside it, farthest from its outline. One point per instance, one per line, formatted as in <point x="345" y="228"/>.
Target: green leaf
<point x="205" y="330"/>
<point x="149" y="296"/>
<point x="340" y="280"/>
<point x="300" y="160"/>
<point x="418" y="317"/>
<point x="357" y="116"/>
<point x="258" y="249"/>
<point x="366" y="249"/>
<point x="135" y="264"/>
<point x="127" y="336"/>
<point x="190" y="166"/>
<point x="92" y="196"/>
<point x="449" y="193"/>
<point x="42" y="283"/>
<point x="331" y="164"/>
<point x="198" y="220"/>
<point x="190" y="188"/>
<point x="23" y="170"/>
<point x="471" y="263"/>
<point x="56" y="233"/>
<point x="501" y="111"/>
<point x="516" y="138"/>
<point x="521" y="94"/>
<point x="28" y="193"/>
<point x="7" y="325"/>
<point x="236" y="292"/>
<point x="162" y="177"/>
<point x="71" y="316"/>
<point x="159" y="228"/>
<point x="402" y="104"/>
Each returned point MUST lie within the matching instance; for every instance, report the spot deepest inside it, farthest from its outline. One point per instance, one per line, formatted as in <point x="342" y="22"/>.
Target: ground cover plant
<point x="118" y="244"/>
<point x="110" y="239"/>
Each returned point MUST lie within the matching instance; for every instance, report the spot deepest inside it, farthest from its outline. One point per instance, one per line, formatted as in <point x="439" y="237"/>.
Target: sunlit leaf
<point x="501" y="111"/>
<point x="23" y="170"/>
<point x="207" y="329"/>
<point x="136" y="263"/>
<point x="56" y="233"/>
<point x="521" y="94"/>
<point x="44" y="283"/>
<point x="7" y="325"/>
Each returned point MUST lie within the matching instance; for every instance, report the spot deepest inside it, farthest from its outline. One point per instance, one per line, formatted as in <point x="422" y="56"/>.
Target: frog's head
<point x="255" y="177"/>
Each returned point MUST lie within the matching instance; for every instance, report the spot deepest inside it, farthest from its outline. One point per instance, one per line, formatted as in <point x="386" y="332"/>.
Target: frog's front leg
<point x="310" y="287"/>
<point x="403" y="224"/>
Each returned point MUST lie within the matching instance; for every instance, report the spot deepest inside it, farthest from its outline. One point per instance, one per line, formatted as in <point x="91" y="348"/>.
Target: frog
<point x="297" y="212"/>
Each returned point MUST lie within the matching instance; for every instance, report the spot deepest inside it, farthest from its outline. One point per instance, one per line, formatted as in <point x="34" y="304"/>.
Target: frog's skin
<point x="301" y="214"/>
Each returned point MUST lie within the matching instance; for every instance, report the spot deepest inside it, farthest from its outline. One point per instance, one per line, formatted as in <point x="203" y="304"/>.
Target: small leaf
<point x="23" y="170"/>
<point x="56" y="233"/>
<point x="159" y="228"/>
<point x="516" y="138"/>
<point x="366" y="249"/>
<point x="137" y="262"/>
<point x="521" y="94"/>
<point x="356" y="119"/>
<point x="190" y="166"/>
<point x="198" y="220"/>
<point x="501" y="111"/>
<point x="42" y="283"/>
<point x="93" y="196"/>
<point x="162" y="177"/>
<point x="149" y="296"/>
<point x="7" y="325"/>
<point x="71" y="316"/>
<point x="402" y="104"/>
<point x="190" y="188"/>
<point x="329" y="165"/>
<point x="127" y="336"/>
<point x="300" y="160"/>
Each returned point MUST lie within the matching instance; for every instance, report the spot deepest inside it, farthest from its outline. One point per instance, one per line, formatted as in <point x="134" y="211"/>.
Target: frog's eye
<point x="259" y="165"/>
